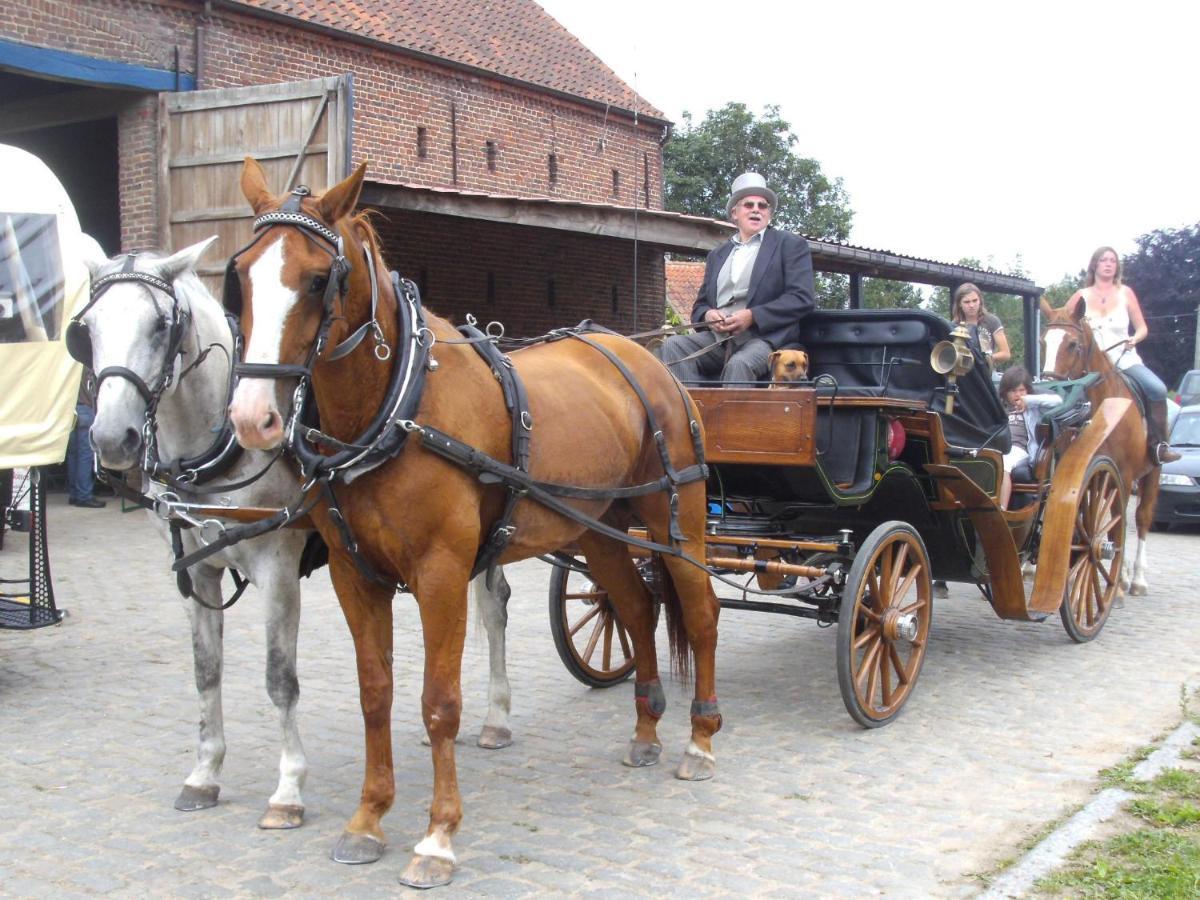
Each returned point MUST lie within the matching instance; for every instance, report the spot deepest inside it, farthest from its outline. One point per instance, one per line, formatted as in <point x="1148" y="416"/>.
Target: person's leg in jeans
<point x="80" y="459"/>
<point x="1156" y="415"/>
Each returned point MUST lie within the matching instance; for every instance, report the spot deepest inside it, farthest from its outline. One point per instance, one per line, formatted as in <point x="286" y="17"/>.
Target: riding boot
<point x="1157" y="434"/>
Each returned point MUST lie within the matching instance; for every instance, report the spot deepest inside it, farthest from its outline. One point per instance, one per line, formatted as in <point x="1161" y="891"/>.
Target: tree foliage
<point x="1165" y="274"/>
<point x="701" y="161"/>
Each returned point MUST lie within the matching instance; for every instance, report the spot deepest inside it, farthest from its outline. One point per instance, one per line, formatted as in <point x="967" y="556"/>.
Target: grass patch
<point x="1144" y="863"/>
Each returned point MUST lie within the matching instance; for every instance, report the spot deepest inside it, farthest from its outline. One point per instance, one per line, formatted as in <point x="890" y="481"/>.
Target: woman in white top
<point x="1112" y="309"/>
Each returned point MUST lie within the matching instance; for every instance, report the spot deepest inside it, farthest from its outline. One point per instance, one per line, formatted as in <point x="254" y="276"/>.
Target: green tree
<point x="1165" y="273"/>
<point x="701" y="161"/>
<point x="1062" y="290"/>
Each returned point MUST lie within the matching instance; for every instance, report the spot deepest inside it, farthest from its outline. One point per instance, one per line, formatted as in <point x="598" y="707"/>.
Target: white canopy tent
<point x="43" y="281"/>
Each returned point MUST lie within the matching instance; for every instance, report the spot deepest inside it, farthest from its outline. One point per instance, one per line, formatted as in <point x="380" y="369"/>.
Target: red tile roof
<point x="514" y="38"/>
<point x="683" y="284"/>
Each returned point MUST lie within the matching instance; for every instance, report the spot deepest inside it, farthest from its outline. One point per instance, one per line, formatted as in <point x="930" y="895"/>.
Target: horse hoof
<point x="427" y="872"/>
<point x="642" y="753"/>
<point x="191" y="798"/>
<point x="357" y="849"/>
<point x="492" y="737"/>
<point x="281" y="816"/>
<point x="1139" y="590"/>
<point x="696" y="765"/>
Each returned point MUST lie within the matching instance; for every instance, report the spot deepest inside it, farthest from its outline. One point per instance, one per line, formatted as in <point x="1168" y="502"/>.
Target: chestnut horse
<point x="1070" y="351"/>
<point x="419" y="520"/>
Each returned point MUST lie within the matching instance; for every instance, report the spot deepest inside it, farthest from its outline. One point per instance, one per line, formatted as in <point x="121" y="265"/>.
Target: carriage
<point x="844" y="497"/>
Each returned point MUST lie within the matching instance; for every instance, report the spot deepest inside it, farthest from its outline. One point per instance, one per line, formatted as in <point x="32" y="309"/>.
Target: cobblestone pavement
<point x="1006" y="731"/>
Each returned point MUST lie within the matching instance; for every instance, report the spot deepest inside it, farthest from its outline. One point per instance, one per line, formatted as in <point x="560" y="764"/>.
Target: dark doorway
<point x="83" y="156"/>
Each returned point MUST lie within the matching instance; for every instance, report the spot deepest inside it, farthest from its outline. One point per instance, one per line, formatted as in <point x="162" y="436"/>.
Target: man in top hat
<point x="757" y="286"/>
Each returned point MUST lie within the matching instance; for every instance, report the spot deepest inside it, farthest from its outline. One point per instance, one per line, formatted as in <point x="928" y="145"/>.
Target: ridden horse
<point x="419" y="520"/>
<point x="1070" y="351"/>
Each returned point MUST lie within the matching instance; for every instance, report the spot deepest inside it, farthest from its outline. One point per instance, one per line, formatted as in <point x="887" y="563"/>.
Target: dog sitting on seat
<point x="787" y="366"/>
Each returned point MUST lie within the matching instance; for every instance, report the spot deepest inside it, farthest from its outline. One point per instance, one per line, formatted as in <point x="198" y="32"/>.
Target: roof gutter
<point x="282" y="18"/>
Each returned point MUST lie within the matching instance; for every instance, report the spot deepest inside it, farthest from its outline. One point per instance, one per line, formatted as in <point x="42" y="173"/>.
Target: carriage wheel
<point x="883" y="623"/>
<point x="1097" y="550"/>
<point x="591" y="641"/>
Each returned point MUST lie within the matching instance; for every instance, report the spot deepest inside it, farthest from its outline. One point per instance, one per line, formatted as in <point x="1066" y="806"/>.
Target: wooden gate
<point x="299" y="131"/>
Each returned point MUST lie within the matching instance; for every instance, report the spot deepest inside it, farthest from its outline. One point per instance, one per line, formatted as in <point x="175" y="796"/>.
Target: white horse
<point x="130" y="327"/>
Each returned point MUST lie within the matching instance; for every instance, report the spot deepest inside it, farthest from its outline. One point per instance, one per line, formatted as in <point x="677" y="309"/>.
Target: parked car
<point x="1189" y="388"/>
<point x="1179" y="482"/>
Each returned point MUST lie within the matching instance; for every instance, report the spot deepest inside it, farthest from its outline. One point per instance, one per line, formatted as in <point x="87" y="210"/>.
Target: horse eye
<point x="317" y="286"/>
<point x="160" y="324"/>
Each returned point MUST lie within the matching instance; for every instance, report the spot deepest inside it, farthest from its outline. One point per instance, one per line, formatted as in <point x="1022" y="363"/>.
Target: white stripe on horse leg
<point x="1140" y="585"/>
<point x="491" y="604"/>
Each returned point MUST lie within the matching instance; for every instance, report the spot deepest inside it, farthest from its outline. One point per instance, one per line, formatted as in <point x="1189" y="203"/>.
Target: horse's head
<point x="131" y="335"/>
<point x="283" y="286"/>
<point x="1066" y="341"/>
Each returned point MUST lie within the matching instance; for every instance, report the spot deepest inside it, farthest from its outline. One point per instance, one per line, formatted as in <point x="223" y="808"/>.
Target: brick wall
<point x="393" y="97"/>
<point x="522" y="261"/>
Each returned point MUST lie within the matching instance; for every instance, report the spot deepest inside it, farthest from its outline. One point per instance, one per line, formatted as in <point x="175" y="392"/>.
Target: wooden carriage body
<point x="827" y="489"/>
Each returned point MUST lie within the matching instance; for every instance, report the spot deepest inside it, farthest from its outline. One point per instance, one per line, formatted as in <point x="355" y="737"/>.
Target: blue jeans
<point x="1150" y="383"/>
<point x="80" y="457"/>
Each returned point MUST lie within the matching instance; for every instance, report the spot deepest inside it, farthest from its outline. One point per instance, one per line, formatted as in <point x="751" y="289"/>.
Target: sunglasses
<point x="756" y="204"/>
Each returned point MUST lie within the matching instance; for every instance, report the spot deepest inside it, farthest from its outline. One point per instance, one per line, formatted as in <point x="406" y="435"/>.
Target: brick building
<point x="517" y="176"/>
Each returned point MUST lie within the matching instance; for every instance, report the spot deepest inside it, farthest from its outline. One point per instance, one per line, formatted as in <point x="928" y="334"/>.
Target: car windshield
<point x="1186" y="432"/>
<point x="1191" y="383"/>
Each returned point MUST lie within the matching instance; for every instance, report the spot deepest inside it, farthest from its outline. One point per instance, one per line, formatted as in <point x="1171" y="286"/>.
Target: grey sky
<point x="988" y="130"/>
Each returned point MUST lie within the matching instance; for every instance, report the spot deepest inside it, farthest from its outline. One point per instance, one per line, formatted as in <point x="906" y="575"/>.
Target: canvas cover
<point x="43" y="281"/>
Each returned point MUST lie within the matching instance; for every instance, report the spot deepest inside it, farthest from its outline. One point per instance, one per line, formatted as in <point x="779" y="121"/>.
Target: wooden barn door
<point x="299" y="131"/>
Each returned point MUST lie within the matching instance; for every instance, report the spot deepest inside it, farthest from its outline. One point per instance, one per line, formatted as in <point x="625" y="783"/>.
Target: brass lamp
<point x="953" y="358"/>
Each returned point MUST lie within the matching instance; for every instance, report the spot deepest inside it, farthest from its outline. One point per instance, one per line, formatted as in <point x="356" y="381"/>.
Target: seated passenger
<point x="757" y="286"/>
<point x="1025" y="409"/>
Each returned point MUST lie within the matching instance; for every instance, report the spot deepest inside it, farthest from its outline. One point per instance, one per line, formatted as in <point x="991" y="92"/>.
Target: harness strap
<point x="235" y="533"/>
<point x="183" y="579"/>
<point x="365" y="569"/>
<point x="473" y="460"/>
<point x="517" y="401"/>
<point x="660" y="440"/>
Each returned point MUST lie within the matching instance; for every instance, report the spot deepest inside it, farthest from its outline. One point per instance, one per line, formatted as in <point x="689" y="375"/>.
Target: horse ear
<point x="93" y="255"/>
<point x="339" y="201"/>
<point x="1080" y="310"/>
<point x="184" y="261"/>
<point x="1045" y="306"/>
<point x="254" y="185"/>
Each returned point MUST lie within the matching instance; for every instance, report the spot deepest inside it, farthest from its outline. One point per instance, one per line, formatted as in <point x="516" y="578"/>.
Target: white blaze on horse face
<point x="254" y="400"/>
<point x="1054" y="339"/>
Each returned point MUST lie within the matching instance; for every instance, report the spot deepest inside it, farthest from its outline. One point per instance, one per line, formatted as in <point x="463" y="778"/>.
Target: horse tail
<point x="677" y="640"/>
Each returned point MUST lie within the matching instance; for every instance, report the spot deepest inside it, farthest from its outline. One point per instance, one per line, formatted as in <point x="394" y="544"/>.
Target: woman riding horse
<point x="1112" y="308"/>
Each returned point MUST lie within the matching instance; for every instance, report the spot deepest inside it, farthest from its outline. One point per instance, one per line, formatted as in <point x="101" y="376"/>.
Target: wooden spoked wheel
<point x="590" y="639"/>
<point x="883" y="623"/>
<point x="1097" y="551"/>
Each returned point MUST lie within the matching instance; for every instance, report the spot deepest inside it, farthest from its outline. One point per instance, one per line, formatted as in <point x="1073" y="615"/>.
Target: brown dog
<point x="788" y="365"/>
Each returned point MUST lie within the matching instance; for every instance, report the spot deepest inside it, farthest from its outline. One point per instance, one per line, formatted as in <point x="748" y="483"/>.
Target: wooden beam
<point x="84" y="105"/>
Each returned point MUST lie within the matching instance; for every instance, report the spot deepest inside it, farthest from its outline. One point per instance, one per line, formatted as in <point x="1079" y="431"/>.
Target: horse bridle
<point x="290" y="215"/>
<point x="78" y="337"/>
<point x="1076" y="326"/>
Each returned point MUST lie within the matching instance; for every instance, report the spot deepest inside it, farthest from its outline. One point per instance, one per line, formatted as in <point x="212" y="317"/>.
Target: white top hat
<point x="750" y="184"/>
